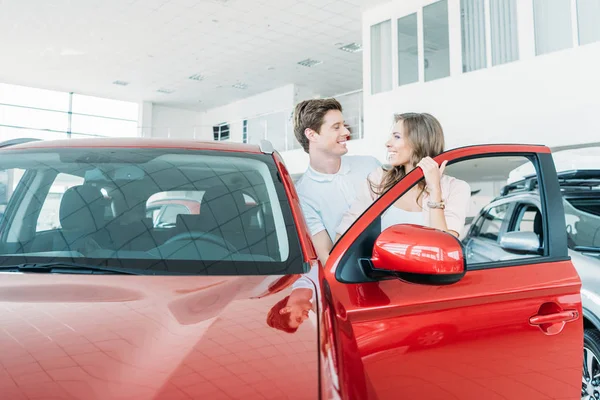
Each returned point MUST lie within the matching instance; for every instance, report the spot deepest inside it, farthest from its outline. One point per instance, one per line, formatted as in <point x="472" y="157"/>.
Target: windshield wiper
<point x="587" y="249"/>
<point x="60" y="267"/>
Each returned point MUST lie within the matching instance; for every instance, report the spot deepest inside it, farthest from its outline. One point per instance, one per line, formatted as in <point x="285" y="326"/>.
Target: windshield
<point x="191" y="212"/>
<point x="583" y="221"/>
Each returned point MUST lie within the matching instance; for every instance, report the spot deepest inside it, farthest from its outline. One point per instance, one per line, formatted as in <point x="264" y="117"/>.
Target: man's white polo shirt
<point x="326" y="197"/>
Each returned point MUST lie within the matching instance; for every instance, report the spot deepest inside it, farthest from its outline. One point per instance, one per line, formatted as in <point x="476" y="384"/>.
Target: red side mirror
<point x="419" y="254"/>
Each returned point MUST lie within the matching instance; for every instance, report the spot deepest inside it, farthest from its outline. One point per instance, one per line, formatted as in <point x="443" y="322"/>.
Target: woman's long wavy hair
<point x="425" y="135"/>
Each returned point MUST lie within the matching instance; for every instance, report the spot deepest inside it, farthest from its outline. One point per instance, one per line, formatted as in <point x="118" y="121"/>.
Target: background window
<point x="436" y="41"/>
<point x="472" y="14"/>
<point x="553" y="28"/>
<point x="221" y="132"/>
<point x="505" y="38"/>
<point x="245" y="131"/>
<point x="408" y="51"/>
<point x="381" y="57"/>
<point x="588" y="16"/>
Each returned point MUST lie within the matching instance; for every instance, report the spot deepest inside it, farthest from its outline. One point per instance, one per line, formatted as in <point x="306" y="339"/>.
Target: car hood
<point x="149" y="337"/>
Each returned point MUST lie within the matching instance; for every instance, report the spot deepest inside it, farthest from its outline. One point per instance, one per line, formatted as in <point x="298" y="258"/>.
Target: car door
<point x="500" y="329"/>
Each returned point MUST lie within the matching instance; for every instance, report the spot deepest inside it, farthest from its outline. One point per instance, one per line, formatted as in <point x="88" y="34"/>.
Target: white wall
<point x="276" y="100"/>
<point x="176" y="123"/>
<point x="550" y="99"/>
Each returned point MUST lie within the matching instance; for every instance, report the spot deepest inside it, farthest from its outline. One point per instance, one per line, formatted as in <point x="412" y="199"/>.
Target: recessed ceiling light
<point x="120" y="83"/>
<point x="240" y="85"/>
<point x="165" y="91"/>
<point x="196" y="77"/>
<point x="352" y="48"/>
<point x="309" y="62"/>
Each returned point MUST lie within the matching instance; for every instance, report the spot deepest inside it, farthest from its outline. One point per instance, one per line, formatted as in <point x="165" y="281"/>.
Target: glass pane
<point x="32" y="97"/>
<point x="105" y="107"/>
<point x="33" y="119"/>
<point x="436" y="41"/>
<point x="98" y="126"/>
<point x="588" y="15"/>
<point x="99" y="207"/>
<point x="49" y="214"/>
<point x="381" y="57"/>
<point x="352" y="106"/>
<point x="472" y="14"/>
<point x="505" y="37"/>
<point x="408" y="51"/>
<point x="508" y="227"/>
<point x="553" y="28"/>
<point x="9" y="179"/>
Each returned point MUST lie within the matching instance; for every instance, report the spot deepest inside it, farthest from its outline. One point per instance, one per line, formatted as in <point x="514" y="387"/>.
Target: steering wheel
<point x="203" y="236"/>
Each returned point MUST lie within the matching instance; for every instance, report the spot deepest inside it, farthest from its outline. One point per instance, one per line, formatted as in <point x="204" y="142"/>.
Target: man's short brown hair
<point x="309" y="114"/>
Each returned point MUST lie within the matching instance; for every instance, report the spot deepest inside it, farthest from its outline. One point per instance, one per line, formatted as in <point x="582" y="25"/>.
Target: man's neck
<point x="325" y="163"/>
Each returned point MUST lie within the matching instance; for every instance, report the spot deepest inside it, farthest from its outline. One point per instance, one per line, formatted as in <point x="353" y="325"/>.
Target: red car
<point x="232" y="303"/>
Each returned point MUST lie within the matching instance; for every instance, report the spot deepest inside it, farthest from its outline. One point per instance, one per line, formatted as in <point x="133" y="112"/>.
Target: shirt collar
<point x="321" y="177"/>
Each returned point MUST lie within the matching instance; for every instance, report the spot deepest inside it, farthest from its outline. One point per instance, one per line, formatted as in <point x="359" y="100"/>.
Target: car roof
<point x="150" y="143"/>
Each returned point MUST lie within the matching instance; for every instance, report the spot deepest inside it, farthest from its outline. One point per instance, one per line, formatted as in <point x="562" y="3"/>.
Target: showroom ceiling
<point x="195" y="54"/>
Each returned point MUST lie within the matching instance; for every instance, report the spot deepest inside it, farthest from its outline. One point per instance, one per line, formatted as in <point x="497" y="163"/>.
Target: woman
<point x="440" y="202"/>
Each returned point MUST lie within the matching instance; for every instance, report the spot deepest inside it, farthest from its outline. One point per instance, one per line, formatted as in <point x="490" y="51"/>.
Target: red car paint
<point x="149" y="337"/>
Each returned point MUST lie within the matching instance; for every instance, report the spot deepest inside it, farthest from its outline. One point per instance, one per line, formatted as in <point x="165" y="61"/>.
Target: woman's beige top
<point x="455" y="193"/>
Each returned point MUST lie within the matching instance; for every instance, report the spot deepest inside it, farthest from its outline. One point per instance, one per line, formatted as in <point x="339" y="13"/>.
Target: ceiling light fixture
<point x="120" y="83"/>
<point x="309" y="62"/>
<point x="196" y="77"/>
<point x="165" y="91"/>
<point x="240" y="85"/>
<point x="352" y="48"/>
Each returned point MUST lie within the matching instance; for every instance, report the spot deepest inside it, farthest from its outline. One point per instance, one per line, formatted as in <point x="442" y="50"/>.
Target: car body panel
<point x="149" y="337"/>
<point x="464" y="340"/>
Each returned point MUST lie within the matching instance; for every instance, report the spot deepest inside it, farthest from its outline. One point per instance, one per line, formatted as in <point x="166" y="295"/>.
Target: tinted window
<point x="492" y="222"/>
<point x="582" y="217"/>
<point x="102" y="211"/>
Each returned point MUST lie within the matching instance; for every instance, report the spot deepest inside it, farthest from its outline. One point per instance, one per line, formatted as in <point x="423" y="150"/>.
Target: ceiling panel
<point x="85" y="45"/>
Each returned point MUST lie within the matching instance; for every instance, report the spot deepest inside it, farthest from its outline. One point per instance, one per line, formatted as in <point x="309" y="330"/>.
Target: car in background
<point x="232" y="302"/>
<point x="512" y="225"/>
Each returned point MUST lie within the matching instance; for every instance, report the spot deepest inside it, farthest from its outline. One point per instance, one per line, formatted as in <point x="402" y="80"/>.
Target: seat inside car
<point x="221" y="214"/>
<point x="82" y="221"/>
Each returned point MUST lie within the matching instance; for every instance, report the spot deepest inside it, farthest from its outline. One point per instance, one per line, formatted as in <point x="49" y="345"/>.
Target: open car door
<point x="416" y="318"/>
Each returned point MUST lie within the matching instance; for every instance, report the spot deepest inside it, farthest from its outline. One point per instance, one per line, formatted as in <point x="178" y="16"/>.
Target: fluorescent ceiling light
<point x="309" y="62"/>
<point x="352" y="48"/>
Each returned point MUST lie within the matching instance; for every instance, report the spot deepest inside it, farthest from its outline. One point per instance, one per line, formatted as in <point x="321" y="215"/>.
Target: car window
<point x="217" y="213"/>
<point x="492" y="222"/>
<point x="526" y="219"/>
<point x="509" y="227"/>
<point x="49" y="215"/>
<point x="582" y="216"/>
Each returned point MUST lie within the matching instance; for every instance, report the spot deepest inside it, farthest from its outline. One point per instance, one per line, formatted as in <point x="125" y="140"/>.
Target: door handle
<point x="563" y="316"/>
<point x="552" y="324"/>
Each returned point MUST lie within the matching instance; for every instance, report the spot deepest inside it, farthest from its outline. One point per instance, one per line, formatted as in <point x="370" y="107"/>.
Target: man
<point x="328" y="187"/>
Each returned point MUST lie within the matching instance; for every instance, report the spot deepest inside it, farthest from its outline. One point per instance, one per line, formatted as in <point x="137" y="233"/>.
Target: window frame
<point x="347" y="271"/>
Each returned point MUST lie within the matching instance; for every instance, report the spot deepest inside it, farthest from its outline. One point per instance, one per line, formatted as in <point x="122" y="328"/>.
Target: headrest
<point x="82" y="208"/>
